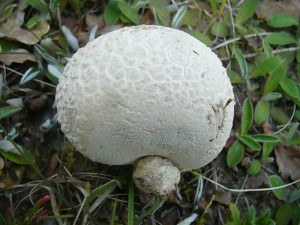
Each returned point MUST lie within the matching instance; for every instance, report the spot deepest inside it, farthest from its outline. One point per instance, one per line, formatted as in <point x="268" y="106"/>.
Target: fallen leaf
<point x="254" y="42"/>
<point x="17" y="56"/>
<point x="108" y="29"/>
<point x="288" y="161"/>
<point x="170" y="217"/>
<point x="70" y="22"/>
<point x="230" y="142"/>
<point x="49" y="45"/>
<point x="257" y="180"/>
<point x="82" y="37"/>
<point x="41" y="29"/>
<point x="267" y="8"/>
<point x="37" y="102"/>
<point x="223" y="197"/>
<point x="92" y="20"/>
<point x="51" y="165"/>
<point x="2" y="163"/>
<point x="8" y="180"/>
<point x="12" y="30"/>
<point x="148" y="17"/>
<point x="181" y="202"/>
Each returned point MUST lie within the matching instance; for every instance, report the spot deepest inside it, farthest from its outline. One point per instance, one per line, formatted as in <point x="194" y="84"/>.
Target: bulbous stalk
<point x="153" y="174"/>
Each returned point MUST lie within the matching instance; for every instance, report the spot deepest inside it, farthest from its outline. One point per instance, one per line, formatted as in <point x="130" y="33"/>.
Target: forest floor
<point x="255" y="179"/>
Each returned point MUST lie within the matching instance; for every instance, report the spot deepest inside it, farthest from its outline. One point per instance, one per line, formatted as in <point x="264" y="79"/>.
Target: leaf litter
<point x="267" y="8"/>
<point x="12" y="30"/>
<point x="288" y="161"/>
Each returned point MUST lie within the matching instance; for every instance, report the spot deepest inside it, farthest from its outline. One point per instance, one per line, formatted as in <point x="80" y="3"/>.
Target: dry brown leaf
<point x="288" y="161"/>
<point x="41" y="29"/>
<point x="12" y="30"/>
<point x="37" y="103"/>
<point x="111" y="28"/>
<point x="2" y="163"/>
<point x="170" y="217"/>
<point x="49" y="45"/>
<point x="92" y="20"/>
<point x="8" y="180"/>
<point x="267" y="8"/>
<point x="82" y="37"/>
<point x="51" y="165"/>
<point x="17" y="56"/>
<point x="223" y="197"/>
<point x="148" y="17"/>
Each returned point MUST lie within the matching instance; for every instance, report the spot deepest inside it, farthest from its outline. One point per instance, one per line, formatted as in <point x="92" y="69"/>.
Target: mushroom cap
<point x="146" y="90"/>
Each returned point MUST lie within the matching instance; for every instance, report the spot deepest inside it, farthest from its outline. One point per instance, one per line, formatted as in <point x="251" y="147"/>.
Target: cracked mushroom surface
<point x="146" y="91"/>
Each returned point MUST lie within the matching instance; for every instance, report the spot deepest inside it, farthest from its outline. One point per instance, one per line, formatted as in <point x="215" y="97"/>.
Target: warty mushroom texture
<point x="150" y="96"/>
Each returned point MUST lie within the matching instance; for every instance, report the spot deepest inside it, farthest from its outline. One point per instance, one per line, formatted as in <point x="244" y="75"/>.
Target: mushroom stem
<point x="154" y="174"/>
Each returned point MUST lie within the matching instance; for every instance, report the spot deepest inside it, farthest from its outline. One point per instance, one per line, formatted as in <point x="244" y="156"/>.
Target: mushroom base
<point x="153" y="174"/>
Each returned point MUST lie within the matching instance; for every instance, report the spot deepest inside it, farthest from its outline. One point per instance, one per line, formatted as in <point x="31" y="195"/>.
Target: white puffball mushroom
<point x="147" y="91"/>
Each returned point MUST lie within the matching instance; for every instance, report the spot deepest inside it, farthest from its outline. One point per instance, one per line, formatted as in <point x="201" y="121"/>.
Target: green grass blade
<point x="250" y="142"/>
<point x="246" y="11"/>
<point x="275" y="181"/>
<point x="131" y="202"/>
<point x="111" y="13"/>
<point x="290" y="87"/>
<point x="262" y="111"/>
<point x="254" y="167"/>
<point x="280" y="38"/>
<point x="247" y="116"/>
<point x="160" y="12"/>
<point x="2" y="220"/>
<point x="214" y="6"/>
<point x="265" y="138"/>
<point x="150" y="211"/>
<point x="275" y="77"/>
<point x="129" y="12"/>
<point x="113" y="215"/>
<point x="280" y="20"/>
<point x="40" y="5"/>
<point x="267" y="49"/>
<point x="178" y="16"/>
<point x="7" y="111"/>
<point x="235" y="213"/>
<point x="101" y="190"/>
<point x="235" y="154"/>
<point x="265" y="67"/>
<point x="266" y="151"/>
<point x="242" y="62"/>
